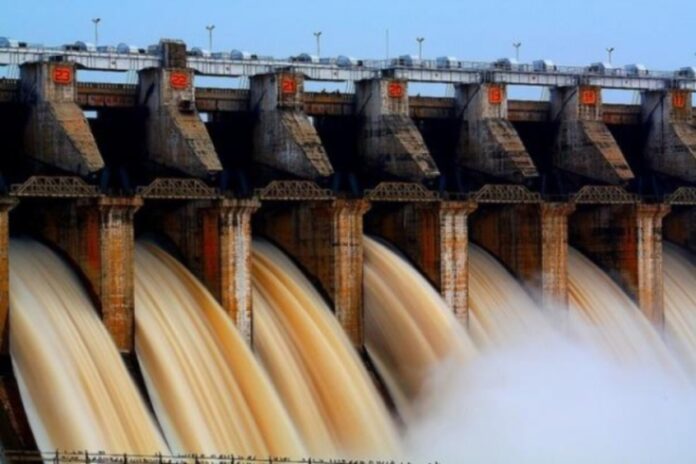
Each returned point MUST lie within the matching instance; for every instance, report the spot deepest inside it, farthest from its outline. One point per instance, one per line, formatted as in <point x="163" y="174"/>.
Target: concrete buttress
<point x="435" y="237"/>
<point x="175" y="135"/>
<point x="626" y="241"/>
<point x="97" y="235"/>
<point x="671" y="146"/>
<point x="57" y="132"/>
<point x="488" y="142"/>
<point x="584" y="145"/>
<point x="6" y="204"/>
<point x="531" y="240"/>
<point x="284" y="136"/>
<point x="389" y="141"/>
<point x="325" y="237"/>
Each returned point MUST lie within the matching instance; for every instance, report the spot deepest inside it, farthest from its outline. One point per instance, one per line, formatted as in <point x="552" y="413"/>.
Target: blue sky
<point x="661" y="35"/>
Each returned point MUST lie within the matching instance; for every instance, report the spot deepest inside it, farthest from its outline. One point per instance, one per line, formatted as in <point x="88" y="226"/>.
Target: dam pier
<point x="89" y="167"/>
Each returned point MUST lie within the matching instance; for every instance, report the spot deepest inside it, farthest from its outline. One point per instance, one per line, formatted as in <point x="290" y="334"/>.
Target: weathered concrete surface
<point x="325" y="237"/>
<point x="435" y="237"/>
<point x="97" y="235"/>
<point x="215" y="239"/>
<point x="176" y="136"/>
<point x="284" y="137"/>
<point x="531" y="240"/>
<point x="488" y="142"/>
<point x="389" y="142"/>
<point x="57" y="132"/>
<point x="671" y="145"/>
<point x="584" y="145"/>
<point x="679" y="226"/>
<point x="15" y="432"/>
<point x="626" y="241"/>
<point x="6" y="204"/>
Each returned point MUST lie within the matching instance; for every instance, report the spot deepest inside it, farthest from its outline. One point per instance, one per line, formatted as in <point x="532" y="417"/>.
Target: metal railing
<point x="83" y="457"/>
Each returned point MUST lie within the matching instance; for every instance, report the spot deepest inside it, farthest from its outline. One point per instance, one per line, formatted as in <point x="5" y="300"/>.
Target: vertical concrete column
<point x="532" y="241"/>
<point x="626" y="241"/>
<point x="325" y="237"/>
<point x="554" y="253"/>
<point x="488" y="142"/>
<point x="6" y="204"/>
<point x="436" y="237"/>
<point x="584" y="146"/>
<point x="98" y="236"/>
<point x="389" y="140"/>
<point x="57" y="132"/>
<point x="226" y="258"/>
<point x="115" y="285"/>
<point x="671" y="143"/>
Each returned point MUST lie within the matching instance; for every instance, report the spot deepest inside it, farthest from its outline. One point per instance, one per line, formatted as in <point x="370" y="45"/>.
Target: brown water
<point x="408" y="326"/>
<point x="209" y="393"/>
<point x="680" y="303"/>
<point x="75" y="388"/>
<point x="316" y="371"/>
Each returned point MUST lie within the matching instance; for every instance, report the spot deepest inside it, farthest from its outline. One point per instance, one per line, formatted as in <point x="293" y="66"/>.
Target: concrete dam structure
<point x="95" y="171"/>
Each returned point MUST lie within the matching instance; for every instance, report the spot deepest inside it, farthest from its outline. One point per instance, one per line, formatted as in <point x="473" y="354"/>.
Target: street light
<point x="96" y="22"/>
<point x="420" y="47"/>
<point x="517" y="46"/>
<point x="210" y="28"/>
<point x="317" y="35"/>
<point x="609" y="52"/>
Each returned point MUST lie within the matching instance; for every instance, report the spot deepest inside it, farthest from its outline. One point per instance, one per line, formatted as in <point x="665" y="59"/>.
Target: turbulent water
<point x="75" y="388"/>
<point x="208" y="391"/>
<point x="313" y="365"/>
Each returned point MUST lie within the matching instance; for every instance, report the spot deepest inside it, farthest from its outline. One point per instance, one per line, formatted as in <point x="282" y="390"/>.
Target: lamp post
<point x="96" y="22"/>
<point x="210" y="28"/>
<point x="609" y="52"/>
<point x="317" y="35"/>
<point x="420" y="47"/>
<point x="517" y="46"/>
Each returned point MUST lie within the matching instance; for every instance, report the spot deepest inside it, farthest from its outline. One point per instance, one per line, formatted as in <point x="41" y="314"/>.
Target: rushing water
<point x="74" y="385"/>
<point x="208" y="391"/>
<point x="680" y="303"/>
<point x="313" y="365"/>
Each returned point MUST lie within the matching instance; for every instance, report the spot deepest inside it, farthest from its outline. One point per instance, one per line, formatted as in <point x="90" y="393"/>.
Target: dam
<point x="295" y="230"/>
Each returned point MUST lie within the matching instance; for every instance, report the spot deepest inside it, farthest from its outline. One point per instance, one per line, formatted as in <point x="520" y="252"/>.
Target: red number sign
<point x="62" y="75"/>
<point x="495" y="95"/>
<point x="395" y="89"/>
<point x="288" y="85"/>
<point x="588" y="97"/>
<point x="178" y="80"/>
<point x="679" y="100"/>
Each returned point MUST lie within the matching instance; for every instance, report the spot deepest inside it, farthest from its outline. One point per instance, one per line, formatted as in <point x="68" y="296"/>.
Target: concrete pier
<point x="531" y="240"/>
<point x="325" y="237"/>
<point x="389" y="142"/>
<point x="584" y="146"/>
<point x="626" y="241"/>
<point x="57" y="133"/>
<point x="435" y="236"/>
<point x="175" y="135"/>
<point x="488" y="142"/>
<point x="671" y="144"/>
<point x="215" y="239"/>
<point x="6" y="204"/>
<point x="284" y="137"/>
<point x="97" y="234"/>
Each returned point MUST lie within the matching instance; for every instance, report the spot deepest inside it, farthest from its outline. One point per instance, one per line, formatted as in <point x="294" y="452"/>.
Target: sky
<point x="658" y="34"/>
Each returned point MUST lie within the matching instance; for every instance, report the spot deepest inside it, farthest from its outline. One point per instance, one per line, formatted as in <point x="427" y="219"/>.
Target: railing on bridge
<point x="81" y="457"/>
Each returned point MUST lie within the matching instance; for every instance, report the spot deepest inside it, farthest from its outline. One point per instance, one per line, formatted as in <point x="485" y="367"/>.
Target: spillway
<point x="408" y="326"/>
<point x="315" y="369"/>
<point x="74" y="385"/>
<point x="209" y="393"/>
<point x="680" y="301"/>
